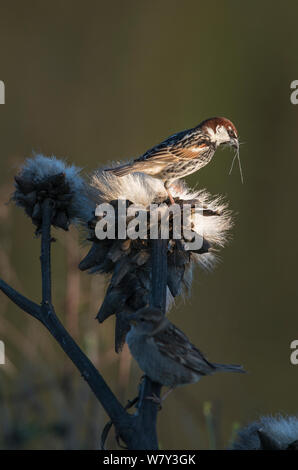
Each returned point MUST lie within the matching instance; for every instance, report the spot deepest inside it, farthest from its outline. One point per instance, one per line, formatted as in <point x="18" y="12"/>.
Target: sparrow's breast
<point x="185" y="167"/>
<point x="158" y="366"/>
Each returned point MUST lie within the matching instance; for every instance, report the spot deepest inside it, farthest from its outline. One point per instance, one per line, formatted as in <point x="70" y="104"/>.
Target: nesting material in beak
<point x="235" y="145"/>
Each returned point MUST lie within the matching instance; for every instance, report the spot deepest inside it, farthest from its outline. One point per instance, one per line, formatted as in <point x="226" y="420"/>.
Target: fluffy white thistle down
<point x="269" y="433"/>
<point x="129" y="261"/>
<point x="47" y="177"/>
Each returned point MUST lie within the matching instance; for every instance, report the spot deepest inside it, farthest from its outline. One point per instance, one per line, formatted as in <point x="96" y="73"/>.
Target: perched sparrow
<point x="183" y="153"/>
<point x="165" y="354"/>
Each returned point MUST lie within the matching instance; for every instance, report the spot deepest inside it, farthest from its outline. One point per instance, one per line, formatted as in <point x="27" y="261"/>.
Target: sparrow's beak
<point x="234" y="143"/>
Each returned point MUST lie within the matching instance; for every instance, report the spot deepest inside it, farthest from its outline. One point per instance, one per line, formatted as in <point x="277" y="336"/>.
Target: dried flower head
<point x="47" y="177"/>
<point x="128" y="261"/>
<point x="269" y="433"/>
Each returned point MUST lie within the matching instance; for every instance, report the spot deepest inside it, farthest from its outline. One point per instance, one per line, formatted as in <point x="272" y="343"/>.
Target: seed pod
<point x="129" y="261"/>
<point x="36" y="214"/>
<point x="41" y="178"/>
<point x="61" y="220"/>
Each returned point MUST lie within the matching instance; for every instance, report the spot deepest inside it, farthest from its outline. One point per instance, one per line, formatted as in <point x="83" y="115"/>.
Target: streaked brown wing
<point x="171" y="153"/>
<point x="174" y="344"/>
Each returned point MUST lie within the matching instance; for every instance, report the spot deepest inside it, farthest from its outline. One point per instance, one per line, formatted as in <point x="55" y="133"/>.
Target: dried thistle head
<point x="269" y="433"/>
<point x="43" y="178"/>
<point x="128" y="261"/>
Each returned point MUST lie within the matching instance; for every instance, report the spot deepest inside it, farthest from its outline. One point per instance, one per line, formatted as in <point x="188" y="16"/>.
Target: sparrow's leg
<point x="169" y="194"/>
<point x="160" y="400"/>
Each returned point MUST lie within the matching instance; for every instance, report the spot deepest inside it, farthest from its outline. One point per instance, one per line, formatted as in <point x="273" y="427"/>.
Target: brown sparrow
<point x="183" y="153"/>
<point x="165" y="353"/>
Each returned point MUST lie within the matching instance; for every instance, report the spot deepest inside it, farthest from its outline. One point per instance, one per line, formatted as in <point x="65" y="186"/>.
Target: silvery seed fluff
<point x="48" y="177"/>
<point x="269" y="433"/>
<point x="128" y="262"/>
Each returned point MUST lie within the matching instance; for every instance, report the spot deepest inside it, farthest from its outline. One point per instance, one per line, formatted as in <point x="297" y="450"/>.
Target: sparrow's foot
<point x="160" y="400"/>
<point x="170" y="196"/>
<point x="156" y="399"/>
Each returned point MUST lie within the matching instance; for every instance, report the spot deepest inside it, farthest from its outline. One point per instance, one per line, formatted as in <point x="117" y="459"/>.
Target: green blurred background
<point x="97" y="81"/>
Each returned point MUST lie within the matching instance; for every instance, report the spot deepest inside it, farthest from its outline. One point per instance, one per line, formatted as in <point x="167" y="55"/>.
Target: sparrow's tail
<point x="229" y="368"/>
<point x="141" y="166"/>
<point x="122" y="170"/>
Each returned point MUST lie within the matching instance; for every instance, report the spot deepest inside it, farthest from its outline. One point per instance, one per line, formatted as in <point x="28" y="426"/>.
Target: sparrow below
<point x="165" y="353"/>
<point x="183" y="153"/>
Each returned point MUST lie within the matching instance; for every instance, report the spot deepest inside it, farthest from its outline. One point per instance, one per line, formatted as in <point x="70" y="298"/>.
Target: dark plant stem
<point x="159" y="250"/>
<point x="148" y="410"/>
<point x="45" y="258"/>
<point x="45" y="313"/>
<point x="18" y="299"/>
<point x="137" y="431"/>
<point x="94" y="379"/>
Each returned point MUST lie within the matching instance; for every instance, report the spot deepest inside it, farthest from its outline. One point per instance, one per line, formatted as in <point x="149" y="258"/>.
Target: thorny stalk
<point x="137" y="431"/>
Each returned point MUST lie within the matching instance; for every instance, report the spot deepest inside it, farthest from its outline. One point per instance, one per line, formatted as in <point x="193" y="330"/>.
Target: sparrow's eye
<point x="232" y="134"/>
